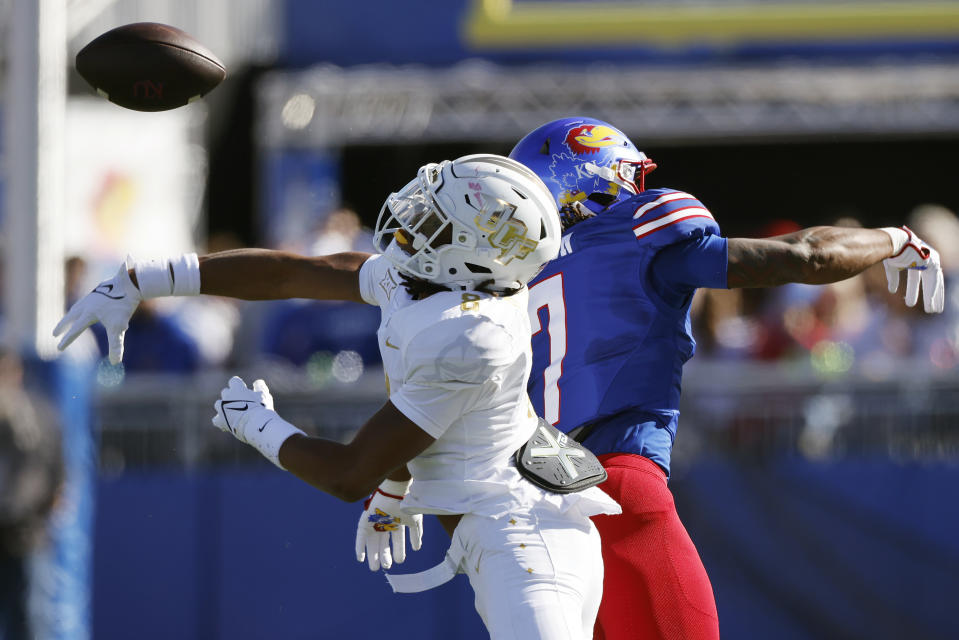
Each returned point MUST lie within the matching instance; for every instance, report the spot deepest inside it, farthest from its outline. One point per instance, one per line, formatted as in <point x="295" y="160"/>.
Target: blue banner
<point x="525" y="31"/>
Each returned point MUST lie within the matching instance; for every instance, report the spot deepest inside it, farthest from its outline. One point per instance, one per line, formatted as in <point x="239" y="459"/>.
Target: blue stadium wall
<point x="854" y="549"/>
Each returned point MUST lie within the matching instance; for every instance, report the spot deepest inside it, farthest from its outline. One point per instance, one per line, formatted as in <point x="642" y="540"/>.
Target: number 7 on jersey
<point x="549" y="293"/>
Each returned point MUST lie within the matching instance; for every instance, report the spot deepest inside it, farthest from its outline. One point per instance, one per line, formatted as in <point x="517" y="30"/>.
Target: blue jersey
<point x="610" y="320"/>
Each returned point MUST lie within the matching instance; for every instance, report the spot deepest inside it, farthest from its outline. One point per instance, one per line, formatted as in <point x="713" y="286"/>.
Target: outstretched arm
<point x="261" y="274"/>
<point x="818" y="255"/>
<point x="249" y="274"/>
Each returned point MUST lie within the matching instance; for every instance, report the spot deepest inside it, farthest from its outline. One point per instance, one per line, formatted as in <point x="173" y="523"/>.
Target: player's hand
<point x="242" y="411"/>
<point x="381" y="531"/>
<point x="921" y="263"/>
<point x="248" y="414"/>
<point x="112" y="304"/>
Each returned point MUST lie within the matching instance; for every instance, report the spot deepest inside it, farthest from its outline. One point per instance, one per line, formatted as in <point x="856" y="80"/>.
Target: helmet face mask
<point x="587" y="164"/>
<point x="480" y="219"/>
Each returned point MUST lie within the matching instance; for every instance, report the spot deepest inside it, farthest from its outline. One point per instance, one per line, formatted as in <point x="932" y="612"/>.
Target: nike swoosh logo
<point x="391" y="346"/>
<point x="264" y="425"/>
<point x="226" y="405"/>
<point x="106" y="290"/>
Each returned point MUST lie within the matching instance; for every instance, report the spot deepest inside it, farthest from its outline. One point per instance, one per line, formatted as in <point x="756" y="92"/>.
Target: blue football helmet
<point x="587" y="164"/>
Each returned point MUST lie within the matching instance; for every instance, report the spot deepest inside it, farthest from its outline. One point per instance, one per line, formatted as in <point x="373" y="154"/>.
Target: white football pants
<point x="537" y="576"/>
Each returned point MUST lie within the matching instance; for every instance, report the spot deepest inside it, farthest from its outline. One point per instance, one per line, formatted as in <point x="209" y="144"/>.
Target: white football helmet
<point x="467" y="221"/>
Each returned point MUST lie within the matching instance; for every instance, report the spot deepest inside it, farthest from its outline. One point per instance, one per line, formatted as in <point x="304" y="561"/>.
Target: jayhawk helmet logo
<point x="590" y="138"/>
<point x="584" y="161"/>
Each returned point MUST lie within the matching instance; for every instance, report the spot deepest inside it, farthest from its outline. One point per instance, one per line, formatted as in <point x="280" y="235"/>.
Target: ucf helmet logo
<point x="506" y="234"/>
<point x="512" y="241"/>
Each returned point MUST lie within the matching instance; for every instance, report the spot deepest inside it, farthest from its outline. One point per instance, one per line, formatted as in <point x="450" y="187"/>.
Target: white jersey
<point x="457" y="365"/>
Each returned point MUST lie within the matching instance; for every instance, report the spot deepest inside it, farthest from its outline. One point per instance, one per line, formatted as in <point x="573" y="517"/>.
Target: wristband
<point x="394" y="488"/>
<point x="179" y="276"/>
<point x="153" y="278"/>
<point x="270" y="437"/>
<point x="899" y="238"/>
<point x="185" y="270"/>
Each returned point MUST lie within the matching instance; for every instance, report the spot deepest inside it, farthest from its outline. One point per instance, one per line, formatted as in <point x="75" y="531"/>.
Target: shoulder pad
<point x="663" y="217"/>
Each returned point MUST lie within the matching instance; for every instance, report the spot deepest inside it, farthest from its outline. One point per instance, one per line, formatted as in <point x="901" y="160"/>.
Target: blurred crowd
<point x="854" y="326"/>
<point x="31" y="479"/>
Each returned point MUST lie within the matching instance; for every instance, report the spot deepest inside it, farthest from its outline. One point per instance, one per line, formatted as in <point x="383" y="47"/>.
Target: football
<point x="147" y="66"/>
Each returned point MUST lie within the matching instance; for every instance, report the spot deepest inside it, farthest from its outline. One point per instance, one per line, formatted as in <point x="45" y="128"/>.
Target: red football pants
<point x="655" y="585"/>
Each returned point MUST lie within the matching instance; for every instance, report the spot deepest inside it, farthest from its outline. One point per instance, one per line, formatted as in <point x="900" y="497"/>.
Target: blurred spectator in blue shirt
<point x="297" y="330"/>
<point x="154" y="343"/>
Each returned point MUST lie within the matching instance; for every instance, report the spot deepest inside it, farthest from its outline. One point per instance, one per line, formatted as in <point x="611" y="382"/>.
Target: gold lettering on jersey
<point x="388" y="284"/>
<point x="470" y="302"/>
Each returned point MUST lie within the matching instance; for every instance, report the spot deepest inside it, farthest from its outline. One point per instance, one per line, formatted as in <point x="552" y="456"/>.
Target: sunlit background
<point x="817" y="463"/>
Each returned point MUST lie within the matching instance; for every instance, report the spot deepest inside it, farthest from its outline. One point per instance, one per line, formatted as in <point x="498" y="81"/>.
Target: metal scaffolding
<point x="329" y="106"/>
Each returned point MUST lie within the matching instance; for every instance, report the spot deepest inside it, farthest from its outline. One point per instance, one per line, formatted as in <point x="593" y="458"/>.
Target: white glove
<point x="248" y="414"/>
<point x="383" y="524"/>
<point x="112" y="304"/>
<point x="113" y="301"/>
<point x="922" y="263"/>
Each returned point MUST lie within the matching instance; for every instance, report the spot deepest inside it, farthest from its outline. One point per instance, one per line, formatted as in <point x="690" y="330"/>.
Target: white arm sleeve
<point x="378" y="281"/>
